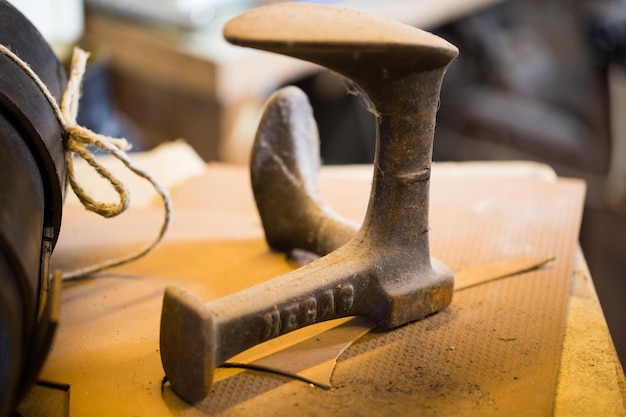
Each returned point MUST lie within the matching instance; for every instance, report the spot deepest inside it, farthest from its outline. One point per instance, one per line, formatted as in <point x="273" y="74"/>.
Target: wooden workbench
<point x="533" y="344"/>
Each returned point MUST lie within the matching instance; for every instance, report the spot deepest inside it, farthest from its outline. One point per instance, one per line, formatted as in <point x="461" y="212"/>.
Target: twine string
<point x="78" y="139"/>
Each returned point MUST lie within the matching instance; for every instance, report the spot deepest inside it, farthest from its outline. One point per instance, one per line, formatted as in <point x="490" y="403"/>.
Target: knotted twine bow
<point x="77" y="140"/>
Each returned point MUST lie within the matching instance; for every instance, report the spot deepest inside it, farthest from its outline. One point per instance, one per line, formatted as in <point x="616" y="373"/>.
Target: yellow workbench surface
<point x="532" y="344"/>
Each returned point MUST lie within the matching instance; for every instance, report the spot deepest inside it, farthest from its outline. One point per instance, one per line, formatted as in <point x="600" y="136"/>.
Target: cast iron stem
<point x="385" y="272"/>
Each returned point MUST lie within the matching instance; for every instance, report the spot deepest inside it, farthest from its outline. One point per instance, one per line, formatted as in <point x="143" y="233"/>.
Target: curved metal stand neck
<point x="385" y="272"/>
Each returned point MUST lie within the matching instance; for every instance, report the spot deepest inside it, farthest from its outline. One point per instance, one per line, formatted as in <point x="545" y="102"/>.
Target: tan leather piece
<point x="311" y="354"/>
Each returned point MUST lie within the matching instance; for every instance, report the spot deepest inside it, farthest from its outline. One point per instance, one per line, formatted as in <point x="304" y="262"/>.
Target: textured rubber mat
<point x="494" y="351"/>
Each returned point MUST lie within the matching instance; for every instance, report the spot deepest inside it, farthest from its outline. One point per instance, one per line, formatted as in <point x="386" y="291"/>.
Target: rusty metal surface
<point x="385" y="271"/>
<point x="283" y="169"/>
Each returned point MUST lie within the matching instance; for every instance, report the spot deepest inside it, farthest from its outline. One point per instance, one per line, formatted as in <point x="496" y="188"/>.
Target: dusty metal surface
<point x="385" y="271"/>
<point x="283" y="168"/>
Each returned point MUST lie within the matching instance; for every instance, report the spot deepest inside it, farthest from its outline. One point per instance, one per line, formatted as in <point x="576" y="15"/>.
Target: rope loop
<point x="78" y="140"/>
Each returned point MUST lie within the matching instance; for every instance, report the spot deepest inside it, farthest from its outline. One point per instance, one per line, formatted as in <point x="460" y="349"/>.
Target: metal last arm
<point x="385" y="271"/>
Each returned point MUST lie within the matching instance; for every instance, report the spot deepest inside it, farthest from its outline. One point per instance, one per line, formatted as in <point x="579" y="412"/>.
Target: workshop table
<point x="532" y="344"/>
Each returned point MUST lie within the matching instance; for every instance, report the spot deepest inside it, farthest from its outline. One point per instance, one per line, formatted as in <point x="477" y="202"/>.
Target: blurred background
<point x="540" y="80"/>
